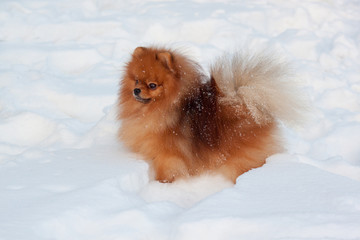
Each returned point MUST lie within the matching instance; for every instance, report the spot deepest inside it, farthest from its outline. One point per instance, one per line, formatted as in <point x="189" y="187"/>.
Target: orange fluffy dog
<point x="186" y="124"/>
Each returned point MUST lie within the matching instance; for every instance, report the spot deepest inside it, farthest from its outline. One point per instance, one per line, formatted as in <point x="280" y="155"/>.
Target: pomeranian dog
<point x="186" y="123"/>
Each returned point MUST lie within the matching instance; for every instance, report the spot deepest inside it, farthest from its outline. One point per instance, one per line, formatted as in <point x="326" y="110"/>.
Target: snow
<point x="63" y="174"/>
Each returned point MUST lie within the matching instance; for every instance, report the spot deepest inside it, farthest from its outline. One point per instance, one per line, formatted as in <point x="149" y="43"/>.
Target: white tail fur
<point x="263" y="83"/>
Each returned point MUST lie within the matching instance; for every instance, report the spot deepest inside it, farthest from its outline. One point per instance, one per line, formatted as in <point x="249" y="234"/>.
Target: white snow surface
<point x="64" y="175"/>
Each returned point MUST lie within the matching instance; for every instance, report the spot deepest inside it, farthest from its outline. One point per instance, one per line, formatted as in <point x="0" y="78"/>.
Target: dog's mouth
<point x="142" y="100"/>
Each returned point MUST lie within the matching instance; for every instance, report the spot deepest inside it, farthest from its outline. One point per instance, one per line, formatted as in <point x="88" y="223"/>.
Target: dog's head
<point x="151" y="76"/>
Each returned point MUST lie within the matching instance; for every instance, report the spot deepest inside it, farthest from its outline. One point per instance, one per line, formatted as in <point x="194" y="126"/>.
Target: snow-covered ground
<point x="63" y="175"/>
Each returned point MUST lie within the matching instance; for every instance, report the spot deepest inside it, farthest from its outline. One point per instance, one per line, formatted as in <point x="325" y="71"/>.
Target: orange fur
<point x="187" y="124"/>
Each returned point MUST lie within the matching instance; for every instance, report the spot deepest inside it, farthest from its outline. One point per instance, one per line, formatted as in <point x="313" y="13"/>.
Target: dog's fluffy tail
<point x="263" y="83"/>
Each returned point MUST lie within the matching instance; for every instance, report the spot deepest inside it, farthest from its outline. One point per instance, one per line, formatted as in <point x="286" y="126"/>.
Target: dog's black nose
<point x="137" y="91"/>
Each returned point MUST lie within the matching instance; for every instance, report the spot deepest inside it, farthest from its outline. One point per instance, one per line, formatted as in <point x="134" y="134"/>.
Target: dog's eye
<point x="152" y="85"/>
<point x="136" y="81"/>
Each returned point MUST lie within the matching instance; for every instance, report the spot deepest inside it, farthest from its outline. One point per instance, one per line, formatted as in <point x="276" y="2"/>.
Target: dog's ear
<point x="139" y="51"/>
<point x="166" y="59"/>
